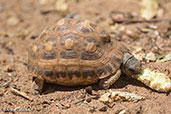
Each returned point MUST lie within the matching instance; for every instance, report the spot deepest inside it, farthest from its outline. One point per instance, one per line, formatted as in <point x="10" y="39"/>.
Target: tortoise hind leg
<point x="37" y="85"/>
<point x="106" y="83"/>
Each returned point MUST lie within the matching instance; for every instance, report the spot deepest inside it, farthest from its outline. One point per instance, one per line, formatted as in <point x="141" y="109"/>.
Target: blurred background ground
<point x="21" y="21"/>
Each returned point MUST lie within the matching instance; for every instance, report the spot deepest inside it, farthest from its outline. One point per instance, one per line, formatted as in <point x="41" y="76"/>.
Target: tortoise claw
<point x="37" y="86"/>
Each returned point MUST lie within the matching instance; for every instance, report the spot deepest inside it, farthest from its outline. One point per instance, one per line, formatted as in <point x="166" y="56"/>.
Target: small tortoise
<point x="78" y="52"/>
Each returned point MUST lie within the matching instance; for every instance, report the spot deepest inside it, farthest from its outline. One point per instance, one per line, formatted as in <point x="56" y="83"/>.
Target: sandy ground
<point x="21" y="21"/>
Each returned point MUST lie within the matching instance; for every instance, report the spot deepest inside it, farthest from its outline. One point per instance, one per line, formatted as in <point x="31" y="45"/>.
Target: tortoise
<point x="77" y="52"/>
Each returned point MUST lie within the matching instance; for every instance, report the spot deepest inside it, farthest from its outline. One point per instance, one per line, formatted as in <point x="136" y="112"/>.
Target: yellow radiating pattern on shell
<point x="49" y="46"/>
<point x="34" y="48"/>
<point x="61" y="22"/>
<point x="91" y="47"/>
<point x="69" y="44"/>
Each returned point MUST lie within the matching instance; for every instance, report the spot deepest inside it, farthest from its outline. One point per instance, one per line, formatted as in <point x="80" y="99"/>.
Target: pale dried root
<point x="155" y="80"/>
<point x="21" y="93"/>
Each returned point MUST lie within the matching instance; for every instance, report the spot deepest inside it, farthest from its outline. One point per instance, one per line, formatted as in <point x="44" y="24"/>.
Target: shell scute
<point x="68" y="54"/>
<point x="48" y="55"/>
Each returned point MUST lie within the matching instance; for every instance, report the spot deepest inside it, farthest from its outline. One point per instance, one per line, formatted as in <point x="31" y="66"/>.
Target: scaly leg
<point x="106" y="83"/>
<point x="37" y="86"/>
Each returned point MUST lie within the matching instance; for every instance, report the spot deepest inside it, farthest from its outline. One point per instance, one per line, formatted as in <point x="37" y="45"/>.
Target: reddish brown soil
<point x="32" y="18"/>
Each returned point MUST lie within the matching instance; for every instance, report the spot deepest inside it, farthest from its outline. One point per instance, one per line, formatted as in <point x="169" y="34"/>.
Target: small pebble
<point x="57" y="105"/>
<point x="10" y="74"/>
<point x="61" y="5"/>
<point x="34" y="36"/>
<point x="103" y="109"/>
<point x="13" y="21"/>
<point x="150" y="57"/>
<point x="9" y="68"/>
<point x="46" y="102"/>
<point x="2" y="91"/>
<point x="154" y="27"/>
<point x="88" y="99"/>
<point x="45" y="105"/>
<point x="92" y="109"/>
<point x="89" y="90"/>
<point x="132" y="34"/>
<point x="122" y="112"/>
<point x="73" y="15"/>
<point x="65" y="106"/>
<point x="160" y="12"/>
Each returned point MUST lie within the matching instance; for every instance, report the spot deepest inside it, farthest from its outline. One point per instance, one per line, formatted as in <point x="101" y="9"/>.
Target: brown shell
<point x="74" y="52"/>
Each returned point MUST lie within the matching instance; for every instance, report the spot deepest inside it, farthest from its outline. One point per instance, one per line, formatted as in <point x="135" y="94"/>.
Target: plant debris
<point x="155" y="80"/>
<point x="164" y="58"/>
<point x="21" y="93"/>
<point x="112" y="96"/>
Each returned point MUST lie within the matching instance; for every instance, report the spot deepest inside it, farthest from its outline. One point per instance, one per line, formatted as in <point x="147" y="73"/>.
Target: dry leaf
<point x="149" y="9"/>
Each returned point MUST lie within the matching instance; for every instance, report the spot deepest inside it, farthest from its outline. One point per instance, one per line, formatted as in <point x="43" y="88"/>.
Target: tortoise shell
<point x="75" y="52"/>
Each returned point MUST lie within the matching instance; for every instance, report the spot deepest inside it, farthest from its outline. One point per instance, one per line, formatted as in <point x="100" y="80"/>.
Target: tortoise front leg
<point x="106" y="83"/>
<point x="37" y="85"/>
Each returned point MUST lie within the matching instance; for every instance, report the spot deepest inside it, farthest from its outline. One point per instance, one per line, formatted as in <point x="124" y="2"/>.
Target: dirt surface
<point x="23" y="20"/>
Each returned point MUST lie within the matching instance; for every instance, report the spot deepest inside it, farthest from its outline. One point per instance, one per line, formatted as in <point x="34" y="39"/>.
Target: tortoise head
<point x="131" y="65"/>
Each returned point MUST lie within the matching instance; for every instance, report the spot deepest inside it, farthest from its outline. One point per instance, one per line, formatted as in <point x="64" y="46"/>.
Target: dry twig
<point x="128" y="21"/>
<point x="20" y="93"/>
